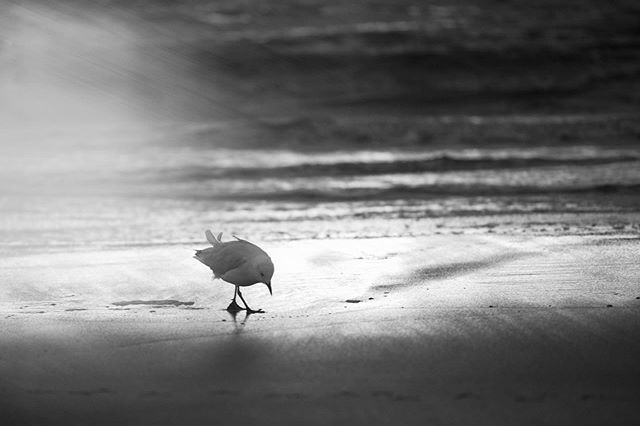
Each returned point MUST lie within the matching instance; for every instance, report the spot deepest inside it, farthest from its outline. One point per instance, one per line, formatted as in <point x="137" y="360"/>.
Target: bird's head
<point x="264" y="270"/>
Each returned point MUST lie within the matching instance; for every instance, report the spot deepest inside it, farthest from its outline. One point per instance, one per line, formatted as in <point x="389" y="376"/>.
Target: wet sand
<point x="447" y="329"/>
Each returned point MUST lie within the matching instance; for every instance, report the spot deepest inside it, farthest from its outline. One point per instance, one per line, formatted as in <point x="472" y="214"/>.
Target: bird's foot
<point x="234" y="307"/>
<point x="251" y="311"/>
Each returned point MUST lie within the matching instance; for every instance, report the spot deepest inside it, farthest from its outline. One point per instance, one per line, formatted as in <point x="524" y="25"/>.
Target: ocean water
<point x="132" y="124"/>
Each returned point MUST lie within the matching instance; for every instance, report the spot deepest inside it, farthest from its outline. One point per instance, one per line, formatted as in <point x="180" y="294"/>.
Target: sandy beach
<point x="446" y="329"/>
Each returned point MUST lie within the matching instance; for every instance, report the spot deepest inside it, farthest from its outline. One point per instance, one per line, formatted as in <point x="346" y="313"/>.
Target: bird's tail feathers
<point x="212" y="239"/>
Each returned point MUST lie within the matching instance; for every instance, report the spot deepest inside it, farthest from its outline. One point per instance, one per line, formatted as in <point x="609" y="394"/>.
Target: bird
<point x="240" y="263"/>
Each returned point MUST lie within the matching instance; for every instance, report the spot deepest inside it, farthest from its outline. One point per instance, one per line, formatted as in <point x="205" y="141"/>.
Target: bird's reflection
<point x="239" y="323"/>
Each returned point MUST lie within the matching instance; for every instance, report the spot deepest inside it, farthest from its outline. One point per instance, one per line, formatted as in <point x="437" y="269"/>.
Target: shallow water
<point x="342" y="194"/>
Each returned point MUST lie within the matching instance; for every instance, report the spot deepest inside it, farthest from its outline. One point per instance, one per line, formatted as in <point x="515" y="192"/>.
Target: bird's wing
<point x="249" y="247"/>
<point x="222" y="258"/>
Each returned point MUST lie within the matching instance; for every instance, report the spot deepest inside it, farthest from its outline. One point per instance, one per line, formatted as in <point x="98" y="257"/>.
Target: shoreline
<point x="26" y="241"/>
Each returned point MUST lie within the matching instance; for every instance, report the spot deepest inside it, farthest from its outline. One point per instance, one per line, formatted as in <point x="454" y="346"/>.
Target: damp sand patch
<point x="155" y="303"/>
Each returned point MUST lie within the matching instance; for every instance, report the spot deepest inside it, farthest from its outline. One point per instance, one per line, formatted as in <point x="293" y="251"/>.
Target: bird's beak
<point x="269" y="287"/>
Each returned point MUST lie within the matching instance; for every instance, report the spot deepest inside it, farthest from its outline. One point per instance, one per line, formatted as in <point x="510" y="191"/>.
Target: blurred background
<point x="146" y="122"/>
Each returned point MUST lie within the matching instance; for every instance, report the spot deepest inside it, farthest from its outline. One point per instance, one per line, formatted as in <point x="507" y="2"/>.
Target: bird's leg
<point x="249" y="310"/>
<point x="233" y="306"/>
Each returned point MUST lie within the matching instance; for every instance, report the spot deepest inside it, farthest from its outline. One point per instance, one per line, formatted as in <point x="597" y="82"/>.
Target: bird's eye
<point x="261" y="274"/>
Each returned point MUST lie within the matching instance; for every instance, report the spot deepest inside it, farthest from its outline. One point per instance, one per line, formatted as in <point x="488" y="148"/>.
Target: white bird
<point x="239" y="263"/>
